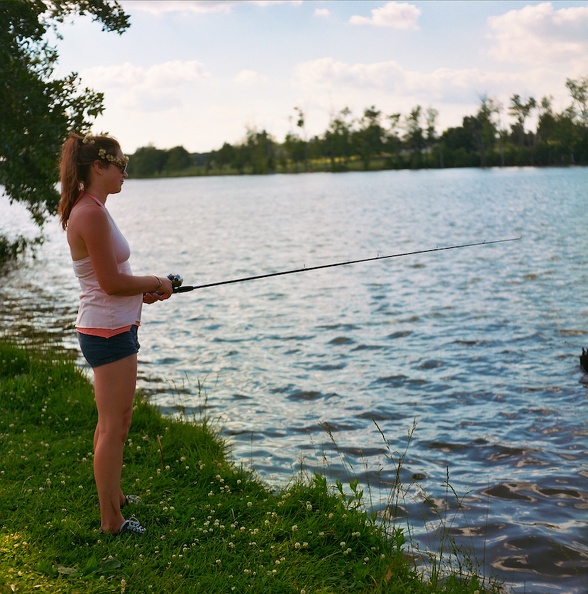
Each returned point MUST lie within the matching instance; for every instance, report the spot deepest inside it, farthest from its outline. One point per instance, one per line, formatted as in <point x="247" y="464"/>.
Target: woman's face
<point x="116" y="174"/>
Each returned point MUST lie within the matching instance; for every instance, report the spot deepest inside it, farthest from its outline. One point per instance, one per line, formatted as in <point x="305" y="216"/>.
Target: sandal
<point x="131" y="525"/>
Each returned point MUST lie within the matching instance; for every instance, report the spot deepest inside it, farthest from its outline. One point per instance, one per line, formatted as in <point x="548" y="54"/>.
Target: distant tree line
<point x="379" y="141"/>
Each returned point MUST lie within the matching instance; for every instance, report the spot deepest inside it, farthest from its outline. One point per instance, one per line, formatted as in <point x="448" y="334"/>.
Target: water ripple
<point x="330" y="370"/>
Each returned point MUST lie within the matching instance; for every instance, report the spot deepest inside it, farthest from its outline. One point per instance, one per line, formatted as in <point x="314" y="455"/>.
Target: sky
<point x="198" y="74"/>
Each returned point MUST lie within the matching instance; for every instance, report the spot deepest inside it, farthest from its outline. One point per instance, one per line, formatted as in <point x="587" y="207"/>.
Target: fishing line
<point x="177" y="279"/>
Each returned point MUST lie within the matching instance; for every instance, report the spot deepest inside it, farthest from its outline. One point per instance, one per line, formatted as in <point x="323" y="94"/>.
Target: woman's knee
<point x="114" y="427"/>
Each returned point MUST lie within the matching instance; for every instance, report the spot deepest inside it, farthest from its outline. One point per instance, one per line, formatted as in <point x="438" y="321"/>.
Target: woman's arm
<point x="93" y="228"/>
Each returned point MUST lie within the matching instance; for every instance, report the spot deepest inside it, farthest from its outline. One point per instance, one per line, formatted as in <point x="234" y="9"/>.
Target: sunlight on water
<point x="480" y="345"/>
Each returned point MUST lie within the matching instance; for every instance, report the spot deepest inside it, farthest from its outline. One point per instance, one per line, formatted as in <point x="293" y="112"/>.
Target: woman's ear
<point x="98" y="167"/>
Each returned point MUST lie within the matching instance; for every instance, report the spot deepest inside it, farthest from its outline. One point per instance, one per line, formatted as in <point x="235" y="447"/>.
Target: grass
<point x="213" y="526"/>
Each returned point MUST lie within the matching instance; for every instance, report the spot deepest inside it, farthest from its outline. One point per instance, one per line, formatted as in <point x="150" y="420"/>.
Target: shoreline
<point x="212" y="525"/>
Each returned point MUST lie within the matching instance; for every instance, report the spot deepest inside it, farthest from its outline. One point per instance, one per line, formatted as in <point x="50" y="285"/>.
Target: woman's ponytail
<point x="77" y="155"/>
<point x="68" y="173"/>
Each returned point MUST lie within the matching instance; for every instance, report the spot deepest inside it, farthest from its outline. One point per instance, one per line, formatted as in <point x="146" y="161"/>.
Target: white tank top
<point x="97" y="308"/>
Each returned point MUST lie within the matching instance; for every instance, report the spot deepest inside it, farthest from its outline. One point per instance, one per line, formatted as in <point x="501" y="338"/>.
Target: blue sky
<point x="198" y="74"/>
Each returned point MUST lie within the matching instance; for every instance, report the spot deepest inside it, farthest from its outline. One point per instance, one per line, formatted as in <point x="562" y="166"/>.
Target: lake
<point x="464" y="361"/>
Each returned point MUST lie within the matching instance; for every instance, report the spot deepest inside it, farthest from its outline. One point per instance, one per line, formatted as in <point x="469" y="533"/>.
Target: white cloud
<point x="322" y="12"/>
<point x="145" y="89"/>
<point x="328" y="72"/>
<point x="540" y="34"/>
<point x="396" y="15"/>
<point x="455" y="92"/>
<point x="250" y="77"/>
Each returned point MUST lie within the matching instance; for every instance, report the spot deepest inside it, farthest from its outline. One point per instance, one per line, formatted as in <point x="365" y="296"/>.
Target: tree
<point x="485" y="128"/>
<point x="296" y="150"/>
<point x="37" y="111"/>
<point x="414" y="137"/>
<point x="431" y="139"/>
<point x="178" y="158"/>
<point x="579" y="112"/>
<point x="300" y="123"/>
<point x="520" y="110"/>
<point x="368" y="140"/>
<point x="338" y="140"/>
<point x="260" y="151"/>
<point x="147" y="161"/>
<point x="579" y="92"/>
<point x="392" y="142"/>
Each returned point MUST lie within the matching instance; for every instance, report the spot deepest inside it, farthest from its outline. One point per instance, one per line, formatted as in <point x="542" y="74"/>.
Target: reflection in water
<point x="329" y="370"/>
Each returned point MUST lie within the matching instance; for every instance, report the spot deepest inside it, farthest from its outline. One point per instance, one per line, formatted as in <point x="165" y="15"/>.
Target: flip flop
<point x="132" y="525"/>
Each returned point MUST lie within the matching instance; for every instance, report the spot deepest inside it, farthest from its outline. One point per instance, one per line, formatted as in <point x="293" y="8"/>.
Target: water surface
<point x="331" y="369"/>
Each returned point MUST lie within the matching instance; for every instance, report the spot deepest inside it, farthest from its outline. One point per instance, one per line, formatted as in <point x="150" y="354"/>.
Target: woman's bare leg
<point x="114" y="390"/>
<point x="122" y="496"/>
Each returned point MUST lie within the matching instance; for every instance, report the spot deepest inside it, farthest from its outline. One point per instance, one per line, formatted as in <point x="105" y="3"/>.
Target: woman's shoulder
<point x="87" y="210"/>
<point x="87" y="219"/>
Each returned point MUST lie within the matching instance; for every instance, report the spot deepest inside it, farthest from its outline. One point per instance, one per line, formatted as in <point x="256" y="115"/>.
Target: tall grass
<point x="213" y="526"/>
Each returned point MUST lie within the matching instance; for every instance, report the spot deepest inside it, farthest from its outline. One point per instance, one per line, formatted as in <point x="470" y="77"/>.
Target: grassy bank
<point x="212" y="525"/>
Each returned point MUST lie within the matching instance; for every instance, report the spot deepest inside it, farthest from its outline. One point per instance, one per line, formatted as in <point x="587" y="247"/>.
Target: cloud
<point x="146" y="89"/>
<point x="329" y="72"/>
<point x="389" y="82"/>
<point x="540" y="34"/>
<point x="395" y="15"/>
<point x="322" y="12"/>
<point x="250" y="77"/>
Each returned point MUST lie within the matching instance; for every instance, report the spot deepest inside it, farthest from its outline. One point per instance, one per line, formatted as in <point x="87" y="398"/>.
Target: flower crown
<point x="118" y="161"/>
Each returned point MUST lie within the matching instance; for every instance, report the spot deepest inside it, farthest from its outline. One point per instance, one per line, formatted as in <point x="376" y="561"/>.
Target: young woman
<point x="92" y="168"/>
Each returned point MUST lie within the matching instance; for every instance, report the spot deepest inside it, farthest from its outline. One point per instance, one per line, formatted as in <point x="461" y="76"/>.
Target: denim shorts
<point x="100" y="351"/>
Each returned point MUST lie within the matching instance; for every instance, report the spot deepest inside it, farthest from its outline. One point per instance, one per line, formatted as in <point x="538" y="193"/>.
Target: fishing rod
<point x="177" y="279"/>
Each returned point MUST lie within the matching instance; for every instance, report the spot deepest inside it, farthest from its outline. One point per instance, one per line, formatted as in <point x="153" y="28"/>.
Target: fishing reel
<point x="176" y="281"/>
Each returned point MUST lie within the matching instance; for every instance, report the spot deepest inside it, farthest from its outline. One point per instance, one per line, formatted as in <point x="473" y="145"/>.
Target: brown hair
<point x="77" y="155"/>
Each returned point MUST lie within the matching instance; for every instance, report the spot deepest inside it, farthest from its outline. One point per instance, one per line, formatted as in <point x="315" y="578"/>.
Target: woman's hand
<point x="150" y="298"/>
<point x="164" y="292"/>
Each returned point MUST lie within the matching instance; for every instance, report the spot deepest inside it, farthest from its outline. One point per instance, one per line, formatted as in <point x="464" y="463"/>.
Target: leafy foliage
<point x="37" y="110"/>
